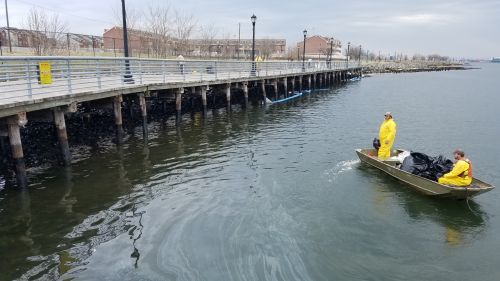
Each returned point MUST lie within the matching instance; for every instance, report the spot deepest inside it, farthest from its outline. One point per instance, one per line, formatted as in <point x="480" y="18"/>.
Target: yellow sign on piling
<point x="44" y="73"/>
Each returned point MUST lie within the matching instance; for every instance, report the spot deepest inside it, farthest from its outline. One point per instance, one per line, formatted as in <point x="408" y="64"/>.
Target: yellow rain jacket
<point x="387" y="133"/>
<point x="459" y="176"/>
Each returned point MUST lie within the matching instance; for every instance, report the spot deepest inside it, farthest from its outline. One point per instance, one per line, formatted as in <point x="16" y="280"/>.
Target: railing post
<point x="98" y="73"/>
<point x="30" y="91"/>
<point x="163" y="70"/>
<point x="140" y="72"/>
<point x="216" y="70"/>
<point x="183" y="70"/>
<point x="122" y="74"/>
<point x="68" y="73"/>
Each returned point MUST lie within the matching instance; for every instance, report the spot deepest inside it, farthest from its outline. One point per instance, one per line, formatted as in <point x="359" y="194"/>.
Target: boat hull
<point x="421" y="184"/>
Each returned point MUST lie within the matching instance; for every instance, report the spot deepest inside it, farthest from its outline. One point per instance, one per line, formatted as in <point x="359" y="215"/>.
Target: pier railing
<point x="29" y="78"/>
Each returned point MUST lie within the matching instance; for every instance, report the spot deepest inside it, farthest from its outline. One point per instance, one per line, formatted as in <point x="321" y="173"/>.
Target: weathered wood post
<point x="62" y="135"/>
<point x="117" y="109"/>
<point x="203" y="90"/>
<point x="16" y="145"/>
<point x="263" y="87"/>
<point x="309" y="81"/>
<point x="275" y="85"/>
<point x="245" y="93"/>
<point x="144" y="114"/>
<point x="293" y="85"/>
<point x="228" y="96"/>
<point x="314" y="81"/>
<point x="285" y="86"/>
<point x="300" y="83"/>
<point x="178" y="105"/>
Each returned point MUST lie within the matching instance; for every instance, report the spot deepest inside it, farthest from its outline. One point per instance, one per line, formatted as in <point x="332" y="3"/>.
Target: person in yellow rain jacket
<point x="461" y="174"/>
<point x="386" y="135"/>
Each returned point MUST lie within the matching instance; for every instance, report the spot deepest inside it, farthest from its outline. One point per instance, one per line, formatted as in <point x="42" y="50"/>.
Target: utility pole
<point x="8" y="26"/>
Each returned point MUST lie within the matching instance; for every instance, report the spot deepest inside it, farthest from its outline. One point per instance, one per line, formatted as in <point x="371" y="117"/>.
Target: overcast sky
<point x="447" y="27"/>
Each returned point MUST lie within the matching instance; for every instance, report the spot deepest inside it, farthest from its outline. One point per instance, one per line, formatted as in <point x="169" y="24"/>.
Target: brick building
<point x="318" y="47"/>
<point x="143" y="40"/>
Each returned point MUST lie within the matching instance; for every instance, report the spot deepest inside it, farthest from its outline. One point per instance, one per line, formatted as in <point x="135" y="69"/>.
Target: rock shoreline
<point x="410" y="66"/>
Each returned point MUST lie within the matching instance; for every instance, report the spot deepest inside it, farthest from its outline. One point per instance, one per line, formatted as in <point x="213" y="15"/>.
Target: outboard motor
<point x="376" y="143"/>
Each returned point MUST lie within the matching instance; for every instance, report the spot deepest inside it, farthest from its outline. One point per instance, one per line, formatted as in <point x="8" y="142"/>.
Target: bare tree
<point x="208" y="34"/>
<point x="354" y="52"/>
<point x="266" y="48"/>
<point x="291" y="53"/>
<point x="159" y="27"/>
<point x="134" y="16"/>
<point x="418" y="57"/>
<point x="224" y="49"/>
<point x="47" y="32"/>
<point x="184" y="25"/>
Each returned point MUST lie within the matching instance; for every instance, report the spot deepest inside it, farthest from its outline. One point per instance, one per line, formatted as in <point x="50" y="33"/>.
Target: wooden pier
<point x="24" y="97"/>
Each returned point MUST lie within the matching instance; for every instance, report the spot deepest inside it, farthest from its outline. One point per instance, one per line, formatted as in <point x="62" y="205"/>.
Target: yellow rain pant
<point x="454" y="178"/>
<point x="387" y="134"/>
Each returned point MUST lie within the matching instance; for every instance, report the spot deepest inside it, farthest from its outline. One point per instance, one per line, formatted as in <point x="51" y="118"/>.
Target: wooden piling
<point x="263" y="87"/>
<point x="293" y="85"/>
<point x="309" y="82"/>
<point x="285" y="86"/>
<point x="275" y="85"/>
<point x="245" y="93"/>
<point x="228" y="96"/>
<point x="203" y="90"/>
<point x="117" y="108"/>
<point x="62" y="135"/>
<point x="16" y="145"/>
<point x="178" y="105"/>
<point x="144" y="114"/>
<point x="300" y="84"/>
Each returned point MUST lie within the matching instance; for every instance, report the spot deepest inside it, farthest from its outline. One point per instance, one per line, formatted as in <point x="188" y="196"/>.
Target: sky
<point x="456" y="28"/>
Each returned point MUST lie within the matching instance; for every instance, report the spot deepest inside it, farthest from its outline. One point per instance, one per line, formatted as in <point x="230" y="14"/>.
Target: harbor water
<point x="270" y="193"/>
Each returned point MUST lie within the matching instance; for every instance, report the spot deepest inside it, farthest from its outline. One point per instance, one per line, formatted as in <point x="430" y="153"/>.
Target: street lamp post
<point x="127" y="78"/>
<point x="331" y="53"/>
<point x="253" y="18"/>
<point x="348" y="50"/>
<point x="304" y="52"/>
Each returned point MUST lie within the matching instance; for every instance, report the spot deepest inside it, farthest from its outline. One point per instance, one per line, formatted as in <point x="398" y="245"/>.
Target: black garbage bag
<point x="425" y="166"/>
<point x="440" y="166"/>
<point x="416" y="163"/>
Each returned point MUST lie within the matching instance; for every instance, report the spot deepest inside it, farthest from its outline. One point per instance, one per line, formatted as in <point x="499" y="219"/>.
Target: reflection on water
<point x="271" y="193"/>
<point x="461" y="221"/>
